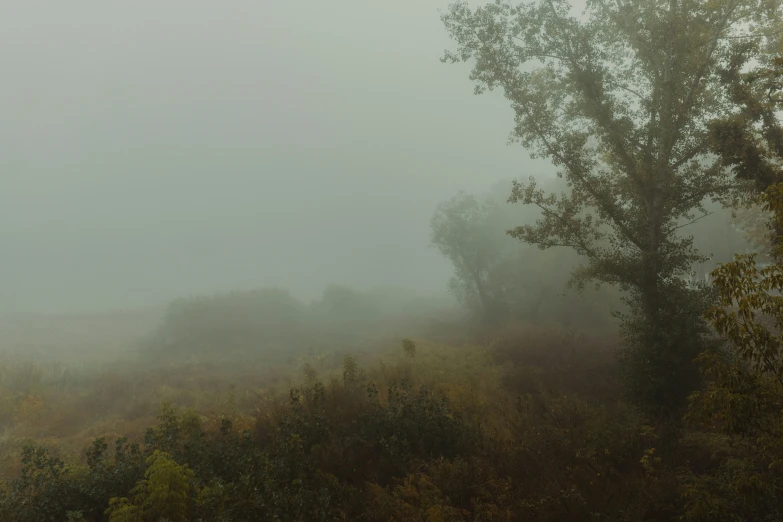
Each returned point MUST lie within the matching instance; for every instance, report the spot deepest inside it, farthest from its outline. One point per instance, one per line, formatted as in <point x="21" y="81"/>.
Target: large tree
<point x="622" y="99"/>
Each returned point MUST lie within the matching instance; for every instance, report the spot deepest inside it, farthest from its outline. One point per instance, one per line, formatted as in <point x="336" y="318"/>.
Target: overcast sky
<point x="152" y="149"/>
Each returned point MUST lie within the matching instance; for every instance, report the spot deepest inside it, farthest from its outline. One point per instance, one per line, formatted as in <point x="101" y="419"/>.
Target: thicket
<point x="531" y="426"/>
<point x="537" y="440"/>
<point x="270" y="322"/>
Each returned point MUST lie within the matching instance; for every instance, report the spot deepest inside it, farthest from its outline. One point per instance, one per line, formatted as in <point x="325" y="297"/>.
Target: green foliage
<point x="750" y="140"/>
<point x="73" y="516"/>
<point x="304" y="463"/>
<point x="164" y="493"/>
<point x="177" y="434"/>
<point x="739" y="407"/>
<point x="350" y="372"/>
<point x="107" y="477"/>
<point x="43" y="490"/>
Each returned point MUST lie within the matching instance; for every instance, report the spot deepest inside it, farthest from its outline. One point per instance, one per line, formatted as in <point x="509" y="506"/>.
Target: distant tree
<point x="341" y="304"/>
<point x="231" y="323"/>
<point x="622" y="100"/>
<point x="164" y="493"/>
<point x="500" y="278"/>
<point x="465" y="230"/>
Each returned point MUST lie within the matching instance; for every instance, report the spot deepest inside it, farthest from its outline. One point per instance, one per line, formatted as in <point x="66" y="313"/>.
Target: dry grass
<point x="68" y="404"/>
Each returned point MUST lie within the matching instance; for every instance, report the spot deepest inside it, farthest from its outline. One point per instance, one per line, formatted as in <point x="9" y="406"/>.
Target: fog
<point x="260" y="260"/>
<point x="157" y="149"/>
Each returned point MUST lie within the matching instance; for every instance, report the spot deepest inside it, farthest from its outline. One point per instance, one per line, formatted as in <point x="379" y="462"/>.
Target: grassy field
<point x="65" y="380"/>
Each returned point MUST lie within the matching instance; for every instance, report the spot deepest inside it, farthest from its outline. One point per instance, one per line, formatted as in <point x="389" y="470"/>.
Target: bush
<point x="531" y="429"/>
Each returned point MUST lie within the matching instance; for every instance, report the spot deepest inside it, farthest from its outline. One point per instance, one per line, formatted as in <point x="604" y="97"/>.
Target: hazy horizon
<point x="155" y="150"/>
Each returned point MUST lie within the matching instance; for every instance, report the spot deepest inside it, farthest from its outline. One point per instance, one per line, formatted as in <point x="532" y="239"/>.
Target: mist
<point x="155" y="150"/>
<point x="278" y="261"/>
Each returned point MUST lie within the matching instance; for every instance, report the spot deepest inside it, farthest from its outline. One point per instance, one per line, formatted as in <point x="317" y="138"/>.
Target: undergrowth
<point x="527" y="427"/>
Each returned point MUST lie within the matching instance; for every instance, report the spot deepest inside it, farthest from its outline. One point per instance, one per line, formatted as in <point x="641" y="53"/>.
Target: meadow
<point x="430" y="417"/>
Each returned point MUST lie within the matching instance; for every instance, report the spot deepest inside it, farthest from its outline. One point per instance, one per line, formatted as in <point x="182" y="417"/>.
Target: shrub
<point x="164" y="493"/>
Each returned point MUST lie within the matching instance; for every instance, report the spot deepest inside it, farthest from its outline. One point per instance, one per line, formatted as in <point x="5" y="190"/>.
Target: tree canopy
<point x="623" y="100"/>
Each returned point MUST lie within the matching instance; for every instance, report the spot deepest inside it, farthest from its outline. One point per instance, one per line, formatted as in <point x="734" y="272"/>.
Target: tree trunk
<point x="488" y="304"/>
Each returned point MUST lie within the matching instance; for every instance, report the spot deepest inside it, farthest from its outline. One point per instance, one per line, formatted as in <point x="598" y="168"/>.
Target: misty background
<point x="158" y="149"/>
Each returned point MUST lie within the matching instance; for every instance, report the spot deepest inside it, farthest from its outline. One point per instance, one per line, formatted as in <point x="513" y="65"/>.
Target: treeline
<point x="271" y="322"/>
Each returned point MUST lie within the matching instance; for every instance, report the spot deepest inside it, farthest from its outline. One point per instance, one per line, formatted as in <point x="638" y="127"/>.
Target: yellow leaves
<point x="243" y="422"/>
<point x="746" y="295"/>
<point x="417" y="498"/>
<point x="649" y="462"/>
<point x="436" y="514"/>
<point x="121" y="510"/>
<point x="374" y="490"/>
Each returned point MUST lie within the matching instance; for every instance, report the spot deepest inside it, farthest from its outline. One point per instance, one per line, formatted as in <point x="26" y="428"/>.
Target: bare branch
<point x="626" y="88"/>
<point x="691" y="153"/>
<point x="691" y="222"/>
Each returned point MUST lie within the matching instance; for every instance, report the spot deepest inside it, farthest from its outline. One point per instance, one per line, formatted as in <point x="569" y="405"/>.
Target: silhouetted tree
<point x="493" y="273"/>
<point x="463" y="231"/>
<point x="622" y="101"/>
